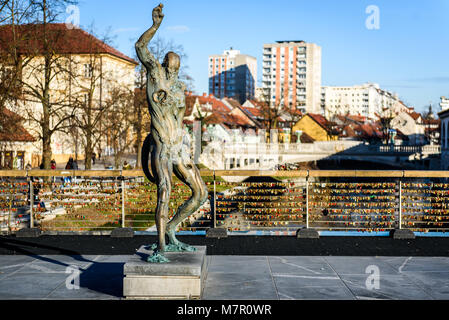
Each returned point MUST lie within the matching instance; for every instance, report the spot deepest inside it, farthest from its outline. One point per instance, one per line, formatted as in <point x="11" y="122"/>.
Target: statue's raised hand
<point x="158" y="15"/>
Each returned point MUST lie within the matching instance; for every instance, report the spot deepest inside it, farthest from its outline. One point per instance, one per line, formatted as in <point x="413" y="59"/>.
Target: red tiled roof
<point x="216" y="104"/>
<point x="11" y="130"/>
<point x="220" y="113"/>
<point x="348" y="131"/>
<point x="63" y="40"/>
<point x="369" y="130"/>
<point x="233" y="103"/>
<point x="218" y="117"/>
<point x="357" y="118"/>
<point x="432" y="121"/>
<point x="320" y="120"/>
<point x="414" y="115"/>
<point x="254" y="112"/>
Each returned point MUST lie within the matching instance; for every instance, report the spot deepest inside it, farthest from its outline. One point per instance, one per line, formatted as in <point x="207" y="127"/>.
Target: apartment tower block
<point x="292" y="75"/>
<point x="232" y="75"/>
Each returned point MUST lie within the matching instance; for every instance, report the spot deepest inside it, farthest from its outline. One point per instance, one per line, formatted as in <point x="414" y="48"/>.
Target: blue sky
<point x="408" y="54"/>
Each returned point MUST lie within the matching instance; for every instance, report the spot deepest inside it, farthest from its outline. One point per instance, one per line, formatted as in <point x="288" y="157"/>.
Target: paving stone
<point x="92" y="286"/>
<point x="237" y="286"/>
<point x="244" y="265"/>
<point x="391" y="287"/>
<point x="359" y="265"/>
<point x="315" y="293"/>
<point x="429" y="281"/>
<point x="56" y="264"/>
<point x="419" y="264"/>
<point x="300" y="265"/>
<point x="116" y="258"/>
<point x="295" y="280"/>
<point x="30" y="286"/>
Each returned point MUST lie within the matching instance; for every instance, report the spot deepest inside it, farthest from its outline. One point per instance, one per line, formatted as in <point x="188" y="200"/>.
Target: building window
<point x="88" y="70"/>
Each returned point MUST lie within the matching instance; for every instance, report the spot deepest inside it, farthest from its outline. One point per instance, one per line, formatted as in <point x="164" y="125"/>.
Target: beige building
<point x="85" y="70"/>
<point x="232" y="75"/>
<point x="292" y="75"/>
<point x="411" y="125"/>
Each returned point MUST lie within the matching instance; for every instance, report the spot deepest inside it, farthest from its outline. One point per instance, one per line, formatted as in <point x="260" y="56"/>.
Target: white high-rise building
<point x="292" y="75"/>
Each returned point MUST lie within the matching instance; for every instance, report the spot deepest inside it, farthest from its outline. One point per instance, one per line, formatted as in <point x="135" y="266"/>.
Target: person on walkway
<point x="127" y="166"/>
<point x="69" y="165"/>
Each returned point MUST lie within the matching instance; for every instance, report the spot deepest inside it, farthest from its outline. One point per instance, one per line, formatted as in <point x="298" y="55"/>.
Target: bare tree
<point x="141" y="118"/>
<point x="39" y="68"/>
<point x="119" y="122"/>
<point x="89" y="79"/>
<point x="13" y="13"/>
<point x="270" y="112"/>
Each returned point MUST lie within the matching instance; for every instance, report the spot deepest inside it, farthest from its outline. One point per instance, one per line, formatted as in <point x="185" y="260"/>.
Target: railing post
<point x="400" y="204"/>
<point x="31" y="203"/>
<point x="215" y="204"/>
<point x="123" y="200"/>
<point x="307" y="202"/>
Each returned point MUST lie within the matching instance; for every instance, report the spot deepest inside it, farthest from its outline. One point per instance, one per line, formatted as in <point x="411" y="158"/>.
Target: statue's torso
<point x="167" y="115"/>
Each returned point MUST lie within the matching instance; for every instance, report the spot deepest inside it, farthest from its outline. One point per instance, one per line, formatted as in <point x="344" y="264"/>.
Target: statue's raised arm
<point x="145" y="56"/>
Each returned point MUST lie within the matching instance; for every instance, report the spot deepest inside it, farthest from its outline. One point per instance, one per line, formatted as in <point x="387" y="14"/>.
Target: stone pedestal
<point x="307" y="234"/>
<point x="181" y="278"/>
<point x="402" y="234"/>
<point x="28" y="233"/>
<point x="122" y="233"/>
<point x="217" y="233"/>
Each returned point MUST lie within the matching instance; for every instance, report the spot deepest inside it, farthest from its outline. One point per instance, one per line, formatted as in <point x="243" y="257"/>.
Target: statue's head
<point x="171" y="63"/>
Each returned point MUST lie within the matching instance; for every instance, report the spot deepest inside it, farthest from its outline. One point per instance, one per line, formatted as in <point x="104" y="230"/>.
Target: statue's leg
<point x="190" y="175"/>
<point x="163" y="173"/>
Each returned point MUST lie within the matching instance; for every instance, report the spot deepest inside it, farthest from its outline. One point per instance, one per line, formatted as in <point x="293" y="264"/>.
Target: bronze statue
<point x="163" y="150"/>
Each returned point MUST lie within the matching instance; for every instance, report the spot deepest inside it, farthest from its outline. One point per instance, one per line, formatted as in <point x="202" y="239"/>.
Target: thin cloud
<point x="178" y="29"/>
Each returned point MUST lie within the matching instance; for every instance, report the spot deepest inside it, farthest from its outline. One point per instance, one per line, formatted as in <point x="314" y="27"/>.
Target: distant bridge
<point x="267" y="155"/>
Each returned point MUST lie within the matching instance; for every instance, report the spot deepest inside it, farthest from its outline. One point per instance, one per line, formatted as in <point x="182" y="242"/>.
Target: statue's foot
<point x="174" y="245"/>
<point x="152" y="247"/>
<point x="157" y="257"/>
<point x="178" y="246"/>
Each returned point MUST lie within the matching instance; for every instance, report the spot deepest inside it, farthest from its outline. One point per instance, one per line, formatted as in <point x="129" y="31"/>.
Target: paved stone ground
<point x="237" y="277"/>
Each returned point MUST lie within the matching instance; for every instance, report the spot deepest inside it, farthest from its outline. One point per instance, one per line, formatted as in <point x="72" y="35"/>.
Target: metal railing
<point x="274" y="201"/>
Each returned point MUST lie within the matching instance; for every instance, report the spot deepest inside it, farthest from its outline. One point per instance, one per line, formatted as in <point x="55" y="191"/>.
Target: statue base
<point x="181" y="278"/>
